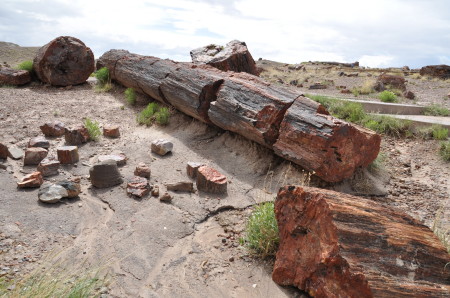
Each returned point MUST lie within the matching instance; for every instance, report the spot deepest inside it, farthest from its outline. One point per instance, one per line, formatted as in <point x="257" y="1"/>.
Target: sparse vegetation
<point x="387" y="96"/>
<point x="26" y="65"/>
<point x="130" y="95"/>
<point x="436" y="110"/>
<point x="389" y="125"/>
<point x="153" y="112"/>
<point x="378" y="164"/>
<point x="102" y="75"/>
<point x="103" y="87"/>
<point x="366" y="88"/>
<point x="261" y="234"/>
<point x="162" y="116"/>
<point x="445" y="150"/>
<point x="439" y="132"/>
<point x="93" y="129"/>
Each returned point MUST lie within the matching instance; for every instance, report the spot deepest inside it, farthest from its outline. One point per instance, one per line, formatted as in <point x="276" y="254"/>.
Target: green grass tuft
<point x="389" y="125"/>
<point x="26" y="65"/>
<point x="261" y="234"/>
<point x="162" y="116"/>
<point x="387" y="96"/>
<point x="130" y="95"/>
<point x="439" y="132"/>
<point x="93" y="129"/>
<point x="445" y="150"/>
<point x="436" y="110"/>
<point x="103" y="87"/>
<point x="153" y="112"/>
<point x="102" y="75"/>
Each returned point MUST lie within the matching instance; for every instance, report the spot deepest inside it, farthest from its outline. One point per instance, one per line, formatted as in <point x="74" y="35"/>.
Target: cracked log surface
<point x="294" y="126"/>
<point x="337" y="245"/>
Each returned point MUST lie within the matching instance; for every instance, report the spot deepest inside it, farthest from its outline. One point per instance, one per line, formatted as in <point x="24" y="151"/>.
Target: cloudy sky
<point x="378" y="33"/>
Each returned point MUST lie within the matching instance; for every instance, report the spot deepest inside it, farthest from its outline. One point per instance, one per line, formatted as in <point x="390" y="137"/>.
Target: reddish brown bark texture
<point x="337" y="245"/>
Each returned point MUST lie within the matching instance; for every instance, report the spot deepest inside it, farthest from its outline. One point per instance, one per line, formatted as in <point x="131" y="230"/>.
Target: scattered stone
<point x="111" y="131"/>
<point x="67" y="154"/>
<point x="3" y="151"/>
<point x="52" y="193"/>
<point x="346" y="91"/>
<point x="31" y="180"/>
<point x="34" y="155"/>
<point x="138" y="186"/>
<point x="53" y="129"/>
<point x="293" y="82"/>
<point x="15" y="152"/>
<point x="155" y="191"/>
<point x="438" y="71"/>
<point x="166" y="198"/>
<point x="161" y="147"/>
<point x="64" y="61"/>
<point x="9" y="76"/>
<point x="409" y="95"/>
<point x="39" y="142"/>
<point x="76" y="135"/>
<point x="192" y="168"/>
<point x="120" y="159"/>
<point x="210" y="180"/>
<point x="48" y="167"/>
<point x="73" y="188"/>
<point x="185" y="186"/>
<point x="317" y="86"/>
<point x="352" y="75"/>
<point x="385" y="80"/>
<point x="105" y="174"/>
<point x="142" y="170"/>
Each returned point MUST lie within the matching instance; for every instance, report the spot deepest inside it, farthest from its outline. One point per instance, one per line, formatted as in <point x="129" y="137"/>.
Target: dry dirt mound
<point x="13" y="54"/>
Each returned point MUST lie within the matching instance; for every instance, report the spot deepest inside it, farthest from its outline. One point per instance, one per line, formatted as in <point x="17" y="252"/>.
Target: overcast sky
<point x="378" y="33"/>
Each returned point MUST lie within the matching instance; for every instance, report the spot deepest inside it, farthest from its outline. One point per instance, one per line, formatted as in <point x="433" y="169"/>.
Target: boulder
<point x="51" y="193"/>
<point x="192" y="168"/>
<point x="48" y="167"/>
<point x="120" y="159"/>
<point x="39" y="142"/>
<point x="184" y="186"/>
<point x="142" y="170"/>
<point x="64" y="61"/>
<point x="76" y="135"/>
<point x="3" y="151"/>
<point x="438" y="71"/>
<point x="161" y="146"/>
<point x="211" y="181"/>
<point x="233" y="57"/>
<point x="105" y="174"/>
<point x="111" y="131"/>
<point x="31" y="180"/>
<point x="385" y="80"/>
<point x="337" y="245"/>
<point x="34" y="155"/>
<point x="15" y="77"/>
<point x="53" y="129"/>
<point x="15" y="152"/>
<point x="67" y="154"/>
<point x="138" y="186"/>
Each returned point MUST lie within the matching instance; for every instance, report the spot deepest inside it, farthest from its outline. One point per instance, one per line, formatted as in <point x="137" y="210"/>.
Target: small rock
<point x="15" y="152"/>
<point x="9" y="76"/>
<point x="111" y="131"/>
<point x="105" y="174"/>
<point x="67" y="154"/>
<point x="161" y="147"/>
<point x="192" y="168"/>
<point x="155" y="191"/>
<point x="409" y="95"/>
<point x="48" y="167"/>
<point x="52" y="193"/>
<point x="34" y="155"/>
<point x="138" y="186"/>
<point x="166" y="198"/>
<point x="142" y="170"/>
<point x="39" y="142"/>
<point x="3" y="151"/>
<point x="53" y="129"/>
<point x="31" y="180"/>
<point x="73" y="188"/>
<point x="186" y="186"/>
<point x="120" y="159"/>
<point x="317" y="86"/>
<point x="210" y="180"/>
<point x="76" y="135"/>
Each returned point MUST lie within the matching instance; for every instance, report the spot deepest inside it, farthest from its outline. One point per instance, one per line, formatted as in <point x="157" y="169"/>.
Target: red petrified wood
<point x="337" y="245"/>
<point x="210" y="180"/>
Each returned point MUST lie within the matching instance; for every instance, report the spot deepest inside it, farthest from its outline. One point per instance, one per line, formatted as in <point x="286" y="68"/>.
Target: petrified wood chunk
<point x="105" y="174"/>
<point x="9" y="76"/>
<point x="337" y="245"/>
<point x="76" y="135"/>
<point x="67" y="154"/>
<point x="439" y="71"/>
<point x="53" y="129"/>
<point x="34" y="155"/>
<point x="210" y="180"/>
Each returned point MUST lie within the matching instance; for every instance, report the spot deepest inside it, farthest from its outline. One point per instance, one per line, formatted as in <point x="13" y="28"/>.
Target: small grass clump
<point x="444" y="151"/>
<point x="26" y="65"/>
<point x="436" y="110"/>
<point x="345" y="110"/>
<point x="389" y="125"/>
<point x="365" y="89"/>
<point x="162" y="116"/>
<point x="93" y="129"/>
<point x="102" y="75"/>
<point x="387" y="96"/>
<point x="103" y="87"/>
<point x="146" y="116"/>
<point x="130" y="95"/>
<point x="378" y="164"/>
<point x="261" y="233"/>
<point x="439" y="132"/>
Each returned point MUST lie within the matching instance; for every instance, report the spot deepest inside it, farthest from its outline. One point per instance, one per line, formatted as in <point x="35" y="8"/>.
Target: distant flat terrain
<point x="13" y="54"/>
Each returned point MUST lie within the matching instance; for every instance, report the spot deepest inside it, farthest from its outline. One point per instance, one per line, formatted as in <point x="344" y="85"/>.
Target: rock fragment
<point x="51" y="193"/>
<point x="120" y="159"/>
<point x="15" y="152"/>
<point x="166" y="198"/>
<point x="142" y="170"/>
<point x="192" y="168"/>
<point x="211" y="181"/>
<point x="155" y="191"/>
<point x="409" y="95"/>
<point x="34" y="155"/>
<point x="53" y="129"/>
<point x="138" y="186"/>
<point x="73" y="188"/>
<point x="15" y="77"/>
<point x="185" y="186"/>
<point x="67" y="154"/>
<point x="161" y="147"/>
<point x="438" y="71"/>
<point x="3" y="151"/>
<point x="385" y="80"/>
<point x="39" y="142"/>
<point x="48" y="167"/>
<point x="105" y="174"/>
<point x="31" y="180"/>
<point x="111" y="131"/>
<point x="76" y="135"/>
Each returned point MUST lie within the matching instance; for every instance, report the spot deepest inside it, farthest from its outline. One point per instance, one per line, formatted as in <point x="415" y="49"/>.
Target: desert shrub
<point x="388" y="125"/>
<point x="355" y="92"/>
<point x="436" y="110"/>
<point x="439" y="132"/>
<point x="162" y="116"/>
<point x="130" y="95"/>
<point x="146" y="115"/>
<point x="366" y="88"/>
<point x="102" y="75"/>
<point x="103" y="87"/>
<point x="387" y="96"/>
<point x="261" y="233"/>
<point x="345" y="110"/>
<point x="26" y="65"/>
<point x="445" y="150"/>
<point x="378" y="164"/>
<point x="93" y="129"/>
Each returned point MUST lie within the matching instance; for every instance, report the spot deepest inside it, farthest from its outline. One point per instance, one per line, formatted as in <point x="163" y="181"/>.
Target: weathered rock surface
<point x="111" y="131"/>
<point x="138" y="186"/>
<point x="39" y="142"/>
<point x="161" y="146"/>
<point x="385" y="80"/>
<point x="76" y="135"/>
<point x="120" y="159"/>
<point x="53" y="129"/>
<point x="9" y="76"/>
<point x="34" y="155"/>
<point x="142" y="170"/>
<point x="3" y="151"/>
<point x="15" y="152"/>
<point x="337" y="245"/>
<point x="317" y="86"/>
<point x="105" y="174"/>
<point x="438" y="71"/>
<point x="331" y="148"/>
<point x="51" y="193"/>
<point x="166" y="198"/>
<point x="48" y="167"/>
<point x="186" y="186"/>
<point x="235" y="56"/>
<point x="64" y="61"/>
<point x="210" y="180"/>
<point x="67" y="154"/>
<point x="192" y="168"/>
<point x="31" y="180"/>
<point x="73" y="188"/>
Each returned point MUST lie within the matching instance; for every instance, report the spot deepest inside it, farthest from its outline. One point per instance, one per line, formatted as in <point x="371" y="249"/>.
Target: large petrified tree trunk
<point x="296" y="127"/>
<point x="337" y="245"/>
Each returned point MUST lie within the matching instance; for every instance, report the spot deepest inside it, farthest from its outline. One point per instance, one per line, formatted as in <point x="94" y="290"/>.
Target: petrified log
<point x="274" y="116"/>
<point x="9" y="76"/>
<point x="337" y="245"/>
<point x="438" y="71"/>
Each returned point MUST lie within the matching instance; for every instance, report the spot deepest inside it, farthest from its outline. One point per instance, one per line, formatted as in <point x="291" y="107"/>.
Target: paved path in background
<point x="426" y="120"/>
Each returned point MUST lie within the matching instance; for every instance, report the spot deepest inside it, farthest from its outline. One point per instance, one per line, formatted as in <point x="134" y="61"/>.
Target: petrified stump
<point x="9" y="76"/>
<point x="76" y="135"/>
<point x="34" y="155"/>
<point x="105" y="174"/>
<point x="64" y="61"/>
<point x="210" y="180"/>
<point x="111" y="131"/>
<point x="67" y="154"/>
<point x="337" y="245"/>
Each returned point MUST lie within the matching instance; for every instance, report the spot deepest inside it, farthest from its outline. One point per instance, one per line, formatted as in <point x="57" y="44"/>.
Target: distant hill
<point x="13" y="54"/>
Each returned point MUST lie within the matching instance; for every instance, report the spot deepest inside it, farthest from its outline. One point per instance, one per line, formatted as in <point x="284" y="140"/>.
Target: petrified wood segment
<point x="331" y="148"/>
<point x="337" y="245"/>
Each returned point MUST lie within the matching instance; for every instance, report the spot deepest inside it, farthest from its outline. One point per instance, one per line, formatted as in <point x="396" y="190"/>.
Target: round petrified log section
<point x="64" y="61"/>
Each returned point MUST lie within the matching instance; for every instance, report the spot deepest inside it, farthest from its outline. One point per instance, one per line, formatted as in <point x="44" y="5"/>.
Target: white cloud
<point x="376" y="61"/>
